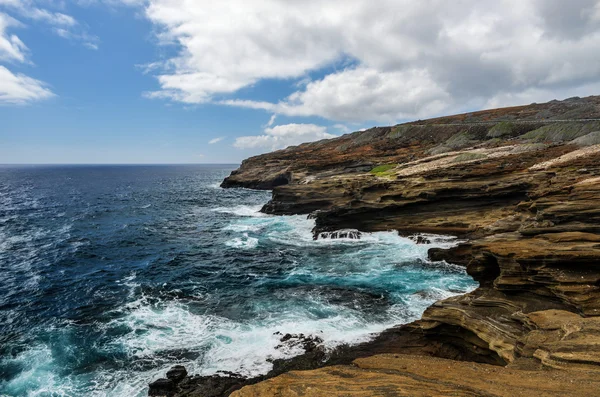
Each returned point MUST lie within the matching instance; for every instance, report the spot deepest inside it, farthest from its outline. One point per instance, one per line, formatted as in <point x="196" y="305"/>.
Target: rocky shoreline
<point x="522" y="186"/>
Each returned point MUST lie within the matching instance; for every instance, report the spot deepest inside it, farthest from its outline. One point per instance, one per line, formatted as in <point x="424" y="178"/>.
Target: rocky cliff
<point x="522" y="186"/>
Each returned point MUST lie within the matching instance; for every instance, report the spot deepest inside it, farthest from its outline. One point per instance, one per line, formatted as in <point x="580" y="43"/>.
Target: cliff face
<point x="520" y="185"/>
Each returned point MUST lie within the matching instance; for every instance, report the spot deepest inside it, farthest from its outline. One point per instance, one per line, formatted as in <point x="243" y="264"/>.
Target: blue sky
<point x="176" y="81"/>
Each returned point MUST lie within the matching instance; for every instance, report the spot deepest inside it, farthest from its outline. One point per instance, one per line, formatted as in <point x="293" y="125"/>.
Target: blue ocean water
<point x="109" y="275"/>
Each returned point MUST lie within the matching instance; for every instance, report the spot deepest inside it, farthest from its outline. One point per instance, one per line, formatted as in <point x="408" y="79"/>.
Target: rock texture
<point x="522" y="187"/>
<point x="414" y="376"/>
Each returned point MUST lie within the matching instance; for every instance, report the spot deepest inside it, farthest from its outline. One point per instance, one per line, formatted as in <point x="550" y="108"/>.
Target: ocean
<point x="109" y="275"/>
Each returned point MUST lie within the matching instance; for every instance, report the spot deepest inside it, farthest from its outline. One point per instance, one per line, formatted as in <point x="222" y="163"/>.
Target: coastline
<point x="523" y="195"/>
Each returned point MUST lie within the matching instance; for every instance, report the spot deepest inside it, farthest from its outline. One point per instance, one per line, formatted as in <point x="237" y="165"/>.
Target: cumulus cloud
<point x="216" y="140"/>
<point x="18" y="89"/>
<point x="403" y="58"/>
<point x="282" y="136"/>
<point x="362" y="94"/>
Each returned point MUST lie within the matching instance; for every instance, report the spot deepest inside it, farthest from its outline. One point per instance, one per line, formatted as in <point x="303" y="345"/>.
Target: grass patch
<point x="469" y="157"/>
<point x="382" y="170"/>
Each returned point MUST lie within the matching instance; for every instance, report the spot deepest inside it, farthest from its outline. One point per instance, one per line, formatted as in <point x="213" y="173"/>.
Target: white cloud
<point x="86" y="39"/>
<point x="53" y="18"/>
<point x="11" y="47"/>
<point x="408" y="59"/>
<point x="28" y="9"/>
<point x="282" y="136"/>
<point x="216" y="140"/>
<point x="18" y="89"/>
<point x="271" y="120"/>
<point x="63" y="25"/>
<point x="362" y="93"/>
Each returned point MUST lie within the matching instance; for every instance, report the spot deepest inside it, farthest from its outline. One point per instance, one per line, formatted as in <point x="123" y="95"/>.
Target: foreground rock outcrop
<point x="522" y="187"/>
<point x="414" y="376"/>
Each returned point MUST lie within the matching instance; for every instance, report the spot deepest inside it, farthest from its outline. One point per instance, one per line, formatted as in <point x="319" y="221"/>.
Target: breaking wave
<point x="198" y="276"/>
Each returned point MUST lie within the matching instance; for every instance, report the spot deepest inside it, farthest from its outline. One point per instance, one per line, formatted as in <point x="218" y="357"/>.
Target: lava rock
<point x="162" y="388"/>
<point x="177" y="373"/>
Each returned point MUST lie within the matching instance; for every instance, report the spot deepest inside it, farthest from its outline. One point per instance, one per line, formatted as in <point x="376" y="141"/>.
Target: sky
<point x="194" y="81"/>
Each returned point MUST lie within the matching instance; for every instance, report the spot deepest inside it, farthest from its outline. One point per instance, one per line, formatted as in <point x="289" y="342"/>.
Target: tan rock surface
<point x="412" y="376"/>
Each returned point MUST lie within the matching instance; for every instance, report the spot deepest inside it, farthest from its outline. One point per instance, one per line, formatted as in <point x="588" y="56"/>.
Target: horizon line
<point x="87" y="164"/>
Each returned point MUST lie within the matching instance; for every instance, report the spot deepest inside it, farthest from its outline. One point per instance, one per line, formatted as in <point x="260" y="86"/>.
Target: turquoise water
<point x="111" y="275"/>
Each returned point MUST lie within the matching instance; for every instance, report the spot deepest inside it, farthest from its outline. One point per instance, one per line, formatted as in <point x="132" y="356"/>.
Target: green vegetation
<point x="460" y="140"/>
<point x="382" y="170"/>
<point x="503" y="128"/>
<point x="561" y="132"/>
<point x="469" y="157"/>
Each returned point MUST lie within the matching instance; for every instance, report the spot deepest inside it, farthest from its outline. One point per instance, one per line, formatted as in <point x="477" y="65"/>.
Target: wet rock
<point x="349" y="234"/>
<point x="168" y="386"/>
<point x="351" y="297"/>
<point x="309" y="343"/>
<point x="177" y="373"/>
<point x="214" y="385"/>
<point x="420" y="239"/>
<point x="162" y="388"/>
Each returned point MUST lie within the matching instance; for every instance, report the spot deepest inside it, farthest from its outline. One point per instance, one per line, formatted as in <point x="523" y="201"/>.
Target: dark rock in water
<point x="420" y="239"/>
<point x="177" y="373"/>
<point x="162" y="387"/>
<point x="350" y="297"/>
<point x="309" y="343"/>
<point x="168" y="386"/>
<point x="350" y="234"/>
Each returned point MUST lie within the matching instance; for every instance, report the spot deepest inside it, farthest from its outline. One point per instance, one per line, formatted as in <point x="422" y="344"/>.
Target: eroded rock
<point x="529" y="215"/>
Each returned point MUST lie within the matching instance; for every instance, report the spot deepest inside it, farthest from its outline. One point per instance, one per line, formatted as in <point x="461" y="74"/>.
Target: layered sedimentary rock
<point x="414" y="376"/>
<point x="521" y="186"/>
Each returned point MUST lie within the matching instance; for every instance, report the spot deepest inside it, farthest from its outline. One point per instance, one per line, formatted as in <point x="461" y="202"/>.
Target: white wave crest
<point x="241" y="210"/>
<point x="245" y="242"/>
